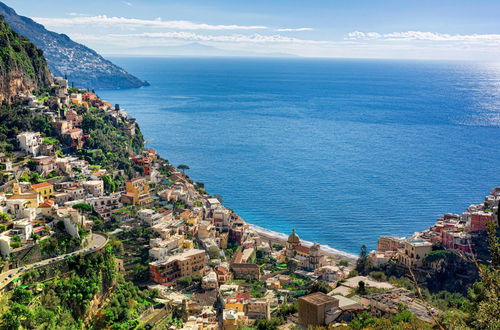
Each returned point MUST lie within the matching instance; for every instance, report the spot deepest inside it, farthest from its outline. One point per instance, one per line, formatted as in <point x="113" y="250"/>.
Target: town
<point x="62" y="194"/>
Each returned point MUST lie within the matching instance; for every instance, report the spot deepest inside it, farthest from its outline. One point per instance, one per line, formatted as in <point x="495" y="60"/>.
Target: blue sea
<point x="344" y="151"/>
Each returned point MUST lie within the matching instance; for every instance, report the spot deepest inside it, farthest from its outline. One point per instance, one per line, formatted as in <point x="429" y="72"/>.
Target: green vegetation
<point x="19" y="55"/>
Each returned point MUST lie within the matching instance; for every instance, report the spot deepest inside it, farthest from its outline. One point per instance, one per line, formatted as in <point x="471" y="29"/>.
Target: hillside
<point x="82" y="65"/>
<point x="22" y="66"/>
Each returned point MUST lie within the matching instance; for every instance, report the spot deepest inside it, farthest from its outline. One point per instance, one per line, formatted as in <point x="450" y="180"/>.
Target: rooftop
<point x="318" y="298"/>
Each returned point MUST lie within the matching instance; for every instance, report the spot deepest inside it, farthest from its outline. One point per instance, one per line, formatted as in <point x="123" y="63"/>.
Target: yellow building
<point x="414" y="252"/>
<point x="233" y="319"/>
<point x="44" y="189"/>
<point x="30" y="198"/>
<point x="233" y="303"/>
<point x="137" y="192"/>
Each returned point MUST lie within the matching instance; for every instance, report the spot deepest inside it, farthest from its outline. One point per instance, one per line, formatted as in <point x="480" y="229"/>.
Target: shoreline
<point x="281" y="238"/>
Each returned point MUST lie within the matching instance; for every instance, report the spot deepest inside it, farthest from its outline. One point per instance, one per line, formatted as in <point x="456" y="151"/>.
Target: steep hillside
<point x="82" y="65"/>
<point x="22" y="66"/>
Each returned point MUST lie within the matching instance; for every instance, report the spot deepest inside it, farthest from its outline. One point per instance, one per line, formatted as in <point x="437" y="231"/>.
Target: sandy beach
<point x="281" y="238"/>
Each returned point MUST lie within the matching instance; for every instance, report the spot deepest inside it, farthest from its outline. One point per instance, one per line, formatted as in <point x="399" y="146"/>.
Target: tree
<point x="320" y="286"/>
<point x="183" y="167"/>
<point x="83" y="207"/>
<point x="361" y="288"/>
<point x="362" y="264"/>
<point x="4" y="217"/>
<point x="185" y="281"/>
<point x="291" y="265"/>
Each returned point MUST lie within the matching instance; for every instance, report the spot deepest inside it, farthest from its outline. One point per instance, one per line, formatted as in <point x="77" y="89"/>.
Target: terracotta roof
<point x="302" y="248"/>
<point x="136" y="179"/>
<point x="47" y="203"/>
<point x="41" y="185"/>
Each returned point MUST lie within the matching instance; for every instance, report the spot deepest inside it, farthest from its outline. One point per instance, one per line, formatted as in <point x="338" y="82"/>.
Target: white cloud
<point x="114" y="22"/>
<point x="191" y="36"/>
<point x="294" y="29"/>
<point x="420" y="35"/>
<point x="127" y="3"/>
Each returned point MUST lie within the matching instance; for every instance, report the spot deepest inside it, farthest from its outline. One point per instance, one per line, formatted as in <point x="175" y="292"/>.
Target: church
<point x="309" y="258"/>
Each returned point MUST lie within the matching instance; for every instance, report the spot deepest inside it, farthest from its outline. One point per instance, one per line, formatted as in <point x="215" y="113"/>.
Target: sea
<point x="342" y="150"/>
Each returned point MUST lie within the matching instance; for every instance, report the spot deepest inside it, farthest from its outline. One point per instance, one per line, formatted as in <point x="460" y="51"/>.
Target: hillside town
<point x="210" y="268"/>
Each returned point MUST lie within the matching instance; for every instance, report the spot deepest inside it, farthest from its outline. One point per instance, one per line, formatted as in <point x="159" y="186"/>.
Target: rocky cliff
<point x="82" y="65"/>
<point x="22" y="66"/>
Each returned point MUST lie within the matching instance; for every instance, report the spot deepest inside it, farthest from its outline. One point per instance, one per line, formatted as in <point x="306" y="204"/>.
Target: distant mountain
<point x="82" y="65"/>
<point x="22" y="66"/>
<point x="198" y="50"/>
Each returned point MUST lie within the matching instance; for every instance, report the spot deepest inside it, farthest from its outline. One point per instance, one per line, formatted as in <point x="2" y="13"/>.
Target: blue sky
<point x="448" y="29"/>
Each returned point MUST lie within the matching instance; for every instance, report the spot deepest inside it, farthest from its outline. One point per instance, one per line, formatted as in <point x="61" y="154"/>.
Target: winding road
<point x="98" y="242"/>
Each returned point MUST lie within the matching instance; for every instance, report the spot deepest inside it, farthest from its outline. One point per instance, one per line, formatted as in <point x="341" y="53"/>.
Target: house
<point x="29" y="142"/>
<point x="389" y="243"/>
<point x="479" y="219"/>
<point x="75" y="192"/>
<point x="209" y="281"/>
<point x="232" y="319"/>
<point x="457" y="240"/>
<point x="94" y="187"/>
<point x="170" y="269"/>
<point x="243" y="271"/>
<point x="44" y="164"/>
<point x="23" y="228"/>
<point x="223" y="274"/>
<point x="314" y="309"/>
<point x="414" y="252"/>
<point x="45" y="189"/>
<point x="137" y="192"/>
<point x="258" y="308"/>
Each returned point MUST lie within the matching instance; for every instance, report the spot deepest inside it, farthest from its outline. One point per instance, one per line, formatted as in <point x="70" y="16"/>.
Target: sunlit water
<point x="342" y="150"/>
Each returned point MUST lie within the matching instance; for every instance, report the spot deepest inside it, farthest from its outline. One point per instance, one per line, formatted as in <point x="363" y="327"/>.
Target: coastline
<point x="281" y="238"/>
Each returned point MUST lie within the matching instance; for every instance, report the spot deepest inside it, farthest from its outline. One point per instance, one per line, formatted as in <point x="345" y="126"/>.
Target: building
<point x="223" y="274"/>
<point x="243" y="271"/>
<point x="44" y="189"/>
<point x="21" y="199"/>
<point x="315" y="308"/>
<point x="44" y="164"/>
<point x="29" y="142"/>
<point x="258" y="308"/>
<point x="232" y="319"/>
<point x="94" y="187"/>
<point x="389" y="243"/>
<point x="308" y="257"/>
<point x="170" y="269"/>
<point x="414" y="252"/>
<point x="209" y="281"/>
<point x="457" y="240"/>
<point x="479" y="219"/>
<point x="137" y="192"/>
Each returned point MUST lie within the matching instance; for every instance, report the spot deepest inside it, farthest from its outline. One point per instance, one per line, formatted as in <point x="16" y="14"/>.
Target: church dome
<point x="293" y="238"/>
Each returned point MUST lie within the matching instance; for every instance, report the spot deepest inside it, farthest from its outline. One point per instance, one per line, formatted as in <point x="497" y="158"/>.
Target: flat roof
<point x="318" y="298"/>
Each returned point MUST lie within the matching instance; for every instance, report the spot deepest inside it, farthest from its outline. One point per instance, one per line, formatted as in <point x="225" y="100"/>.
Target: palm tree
<point x="183" y="167"/>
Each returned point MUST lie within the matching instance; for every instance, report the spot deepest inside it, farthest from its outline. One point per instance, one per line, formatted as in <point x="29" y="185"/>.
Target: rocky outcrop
<point x="22" y="66"/>
<point x="82" y="65"/>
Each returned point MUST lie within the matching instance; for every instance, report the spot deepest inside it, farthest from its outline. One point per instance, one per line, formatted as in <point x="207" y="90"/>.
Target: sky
<point x="401" y="29"/>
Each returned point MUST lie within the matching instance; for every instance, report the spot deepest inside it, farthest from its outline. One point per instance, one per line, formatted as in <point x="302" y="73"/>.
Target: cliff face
<point x="82" y="65"/>
<point x="22" y="66"/>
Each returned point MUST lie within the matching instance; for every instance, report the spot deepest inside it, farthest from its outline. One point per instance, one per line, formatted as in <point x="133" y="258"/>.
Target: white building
<point x="30" y="142"/>
<point x="209" y="281"/>
<point x="5" y="248"/>
<point x="24" y="228"/>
